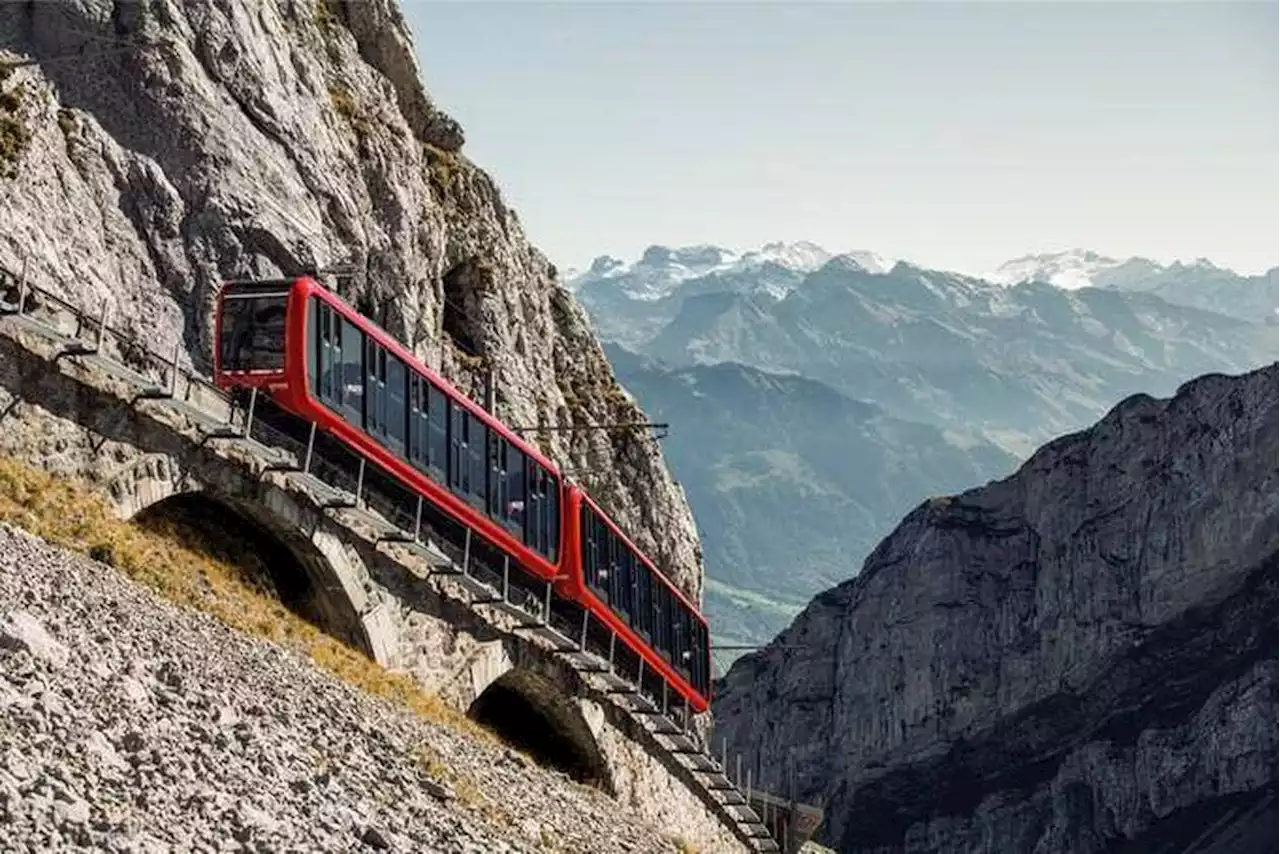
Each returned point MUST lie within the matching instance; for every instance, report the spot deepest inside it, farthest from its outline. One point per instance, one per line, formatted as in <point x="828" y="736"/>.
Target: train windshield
<point x="253" y="328"/>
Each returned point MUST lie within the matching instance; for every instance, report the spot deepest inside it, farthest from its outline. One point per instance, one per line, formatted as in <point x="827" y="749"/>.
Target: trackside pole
<point x="248" y="419"/>
<point x="102" y="324"/>
<point x="22" y="284"/>
<point x="173" y="370"/>
<point x="311" y="446"/>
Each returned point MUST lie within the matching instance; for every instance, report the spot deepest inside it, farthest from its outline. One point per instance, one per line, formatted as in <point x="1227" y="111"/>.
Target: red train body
<point x="290" y="339"/>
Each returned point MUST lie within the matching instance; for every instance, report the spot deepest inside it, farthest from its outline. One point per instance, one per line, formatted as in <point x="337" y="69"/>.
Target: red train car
<point x="324" y="363"/>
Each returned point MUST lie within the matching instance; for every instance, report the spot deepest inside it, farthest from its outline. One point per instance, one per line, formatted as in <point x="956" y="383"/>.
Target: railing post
<point x="582" y="644"/>
<point x="613" y="642"/>
<point x="22" y="285"/>
<point x="749" y="789"/>
<point x="546" y="607"/>
<point x="248" y="419"/>
<point x="311" y="446"/>
<point x="417" y="522"/>
<point x="737" y="775"/>
<point x="173" y="369"/>
<point x="640" y="679"/>
<point x="665" y="695"/>
<point x="724" y="756"/>
<point x="466" y="553"/>
<point x="360" y="482"/>
<point x="102" y="324"/>
<point x="506" y="578"/>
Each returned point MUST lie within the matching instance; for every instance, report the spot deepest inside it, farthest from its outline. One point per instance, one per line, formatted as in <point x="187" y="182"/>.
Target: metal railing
<point x="355" y="483"/>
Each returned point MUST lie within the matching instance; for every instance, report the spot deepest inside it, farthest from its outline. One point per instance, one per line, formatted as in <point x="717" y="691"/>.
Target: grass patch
<point x="443" y="169"/>
<point x="463" y="786"/>
<point x="14" y="135"/>
<point x="176" y="560"/>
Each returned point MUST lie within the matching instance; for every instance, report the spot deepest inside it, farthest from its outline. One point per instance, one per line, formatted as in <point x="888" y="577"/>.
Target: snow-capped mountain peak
<point x="1082" y="268"/>
<point x="1074" y="268"/>
<point x="660" y="270"/>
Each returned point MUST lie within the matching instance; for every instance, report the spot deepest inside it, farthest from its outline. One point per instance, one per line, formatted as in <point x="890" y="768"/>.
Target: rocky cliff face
<point x="1079" y="658"/>
<point x="159" y="148"/>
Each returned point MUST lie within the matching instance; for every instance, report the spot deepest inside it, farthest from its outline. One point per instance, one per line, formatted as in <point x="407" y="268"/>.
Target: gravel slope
<point x="128" y="724"/>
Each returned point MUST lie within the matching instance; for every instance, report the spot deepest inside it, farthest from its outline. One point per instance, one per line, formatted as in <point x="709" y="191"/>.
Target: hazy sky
<point x="957" y="135"/>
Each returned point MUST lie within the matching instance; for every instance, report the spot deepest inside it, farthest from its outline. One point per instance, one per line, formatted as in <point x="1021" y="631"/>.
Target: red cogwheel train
<point x="319" y="360"/>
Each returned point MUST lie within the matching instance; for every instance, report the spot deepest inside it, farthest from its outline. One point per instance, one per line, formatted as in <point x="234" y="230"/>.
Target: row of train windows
<point x="417" y="421"/>
<point x="625" y="582"/>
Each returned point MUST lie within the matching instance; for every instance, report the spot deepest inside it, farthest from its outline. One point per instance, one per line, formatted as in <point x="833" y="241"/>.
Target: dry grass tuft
<point x="176" y="560"/>
<point x="464" y="787"/>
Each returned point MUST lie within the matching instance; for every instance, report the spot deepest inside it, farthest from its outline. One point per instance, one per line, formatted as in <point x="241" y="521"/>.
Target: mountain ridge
<point x="1079" y="657"/>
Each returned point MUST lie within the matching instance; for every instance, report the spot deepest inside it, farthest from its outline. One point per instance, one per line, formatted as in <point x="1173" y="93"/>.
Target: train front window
<point x="253" y="331"/>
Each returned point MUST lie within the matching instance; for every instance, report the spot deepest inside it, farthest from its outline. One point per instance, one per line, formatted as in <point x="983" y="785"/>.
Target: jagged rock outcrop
<point x="161" y="147"/>
<point x="1080" y="658"/>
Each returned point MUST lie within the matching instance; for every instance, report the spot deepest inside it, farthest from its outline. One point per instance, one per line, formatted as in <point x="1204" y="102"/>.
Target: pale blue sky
<point x="954" y="134"/>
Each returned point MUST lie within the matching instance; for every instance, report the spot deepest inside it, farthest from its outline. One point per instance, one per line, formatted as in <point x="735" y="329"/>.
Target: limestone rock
<point x="254" y="140"/>
<point x="1078" y="658"/>
<point x="339" y="770"/>
<point x="20" y="630"/>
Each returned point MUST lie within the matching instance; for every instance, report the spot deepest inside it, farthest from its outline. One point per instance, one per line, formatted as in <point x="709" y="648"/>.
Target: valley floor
<point x="130" y="724"/>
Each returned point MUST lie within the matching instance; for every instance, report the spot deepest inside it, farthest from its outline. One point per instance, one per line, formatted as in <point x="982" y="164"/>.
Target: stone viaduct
<point x="79" y="400"/>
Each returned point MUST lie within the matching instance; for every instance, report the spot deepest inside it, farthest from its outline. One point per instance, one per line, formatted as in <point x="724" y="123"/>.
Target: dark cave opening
<point x="529" y="714"/>
<point x="456" y="320"/>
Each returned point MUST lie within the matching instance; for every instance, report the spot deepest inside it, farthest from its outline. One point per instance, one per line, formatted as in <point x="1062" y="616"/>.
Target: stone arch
<point x="326" y="571"/>
<point x="532" y="713"/>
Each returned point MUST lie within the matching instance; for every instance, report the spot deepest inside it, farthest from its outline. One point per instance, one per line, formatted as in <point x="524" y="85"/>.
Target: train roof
<point x="384" y="338"/>
<point x="696" y="611"/>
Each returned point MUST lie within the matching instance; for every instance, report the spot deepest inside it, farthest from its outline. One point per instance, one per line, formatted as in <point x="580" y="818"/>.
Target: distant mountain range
<point x="792" y="483"/>
<point x="814" y="396"/>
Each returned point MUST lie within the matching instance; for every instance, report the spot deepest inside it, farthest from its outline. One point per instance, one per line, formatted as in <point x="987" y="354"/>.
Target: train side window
<point x="542" y="513"/>
<point x="553" y="519"/>
<point x="417" y="436"/>
<point x="626" y="581"/>
<point x="533" y="528"/>
<point x="395" y="408"/>
<point x="437" y="446"/>
<point x="375" y="360"/>
<point x="685" y="653"/>
<point x="513" y="512"/>
<point x="644" y="594"/>
<point x="497" y="495"/>
<point x="663" y="621"/>
<point x="351" y="373"/>
<point x="590" y="549"/>
<point x="477" y="442"/>
<point x="329" y="355"/>
<point x="704" y="656"/>
<point x="459" y="474"/>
